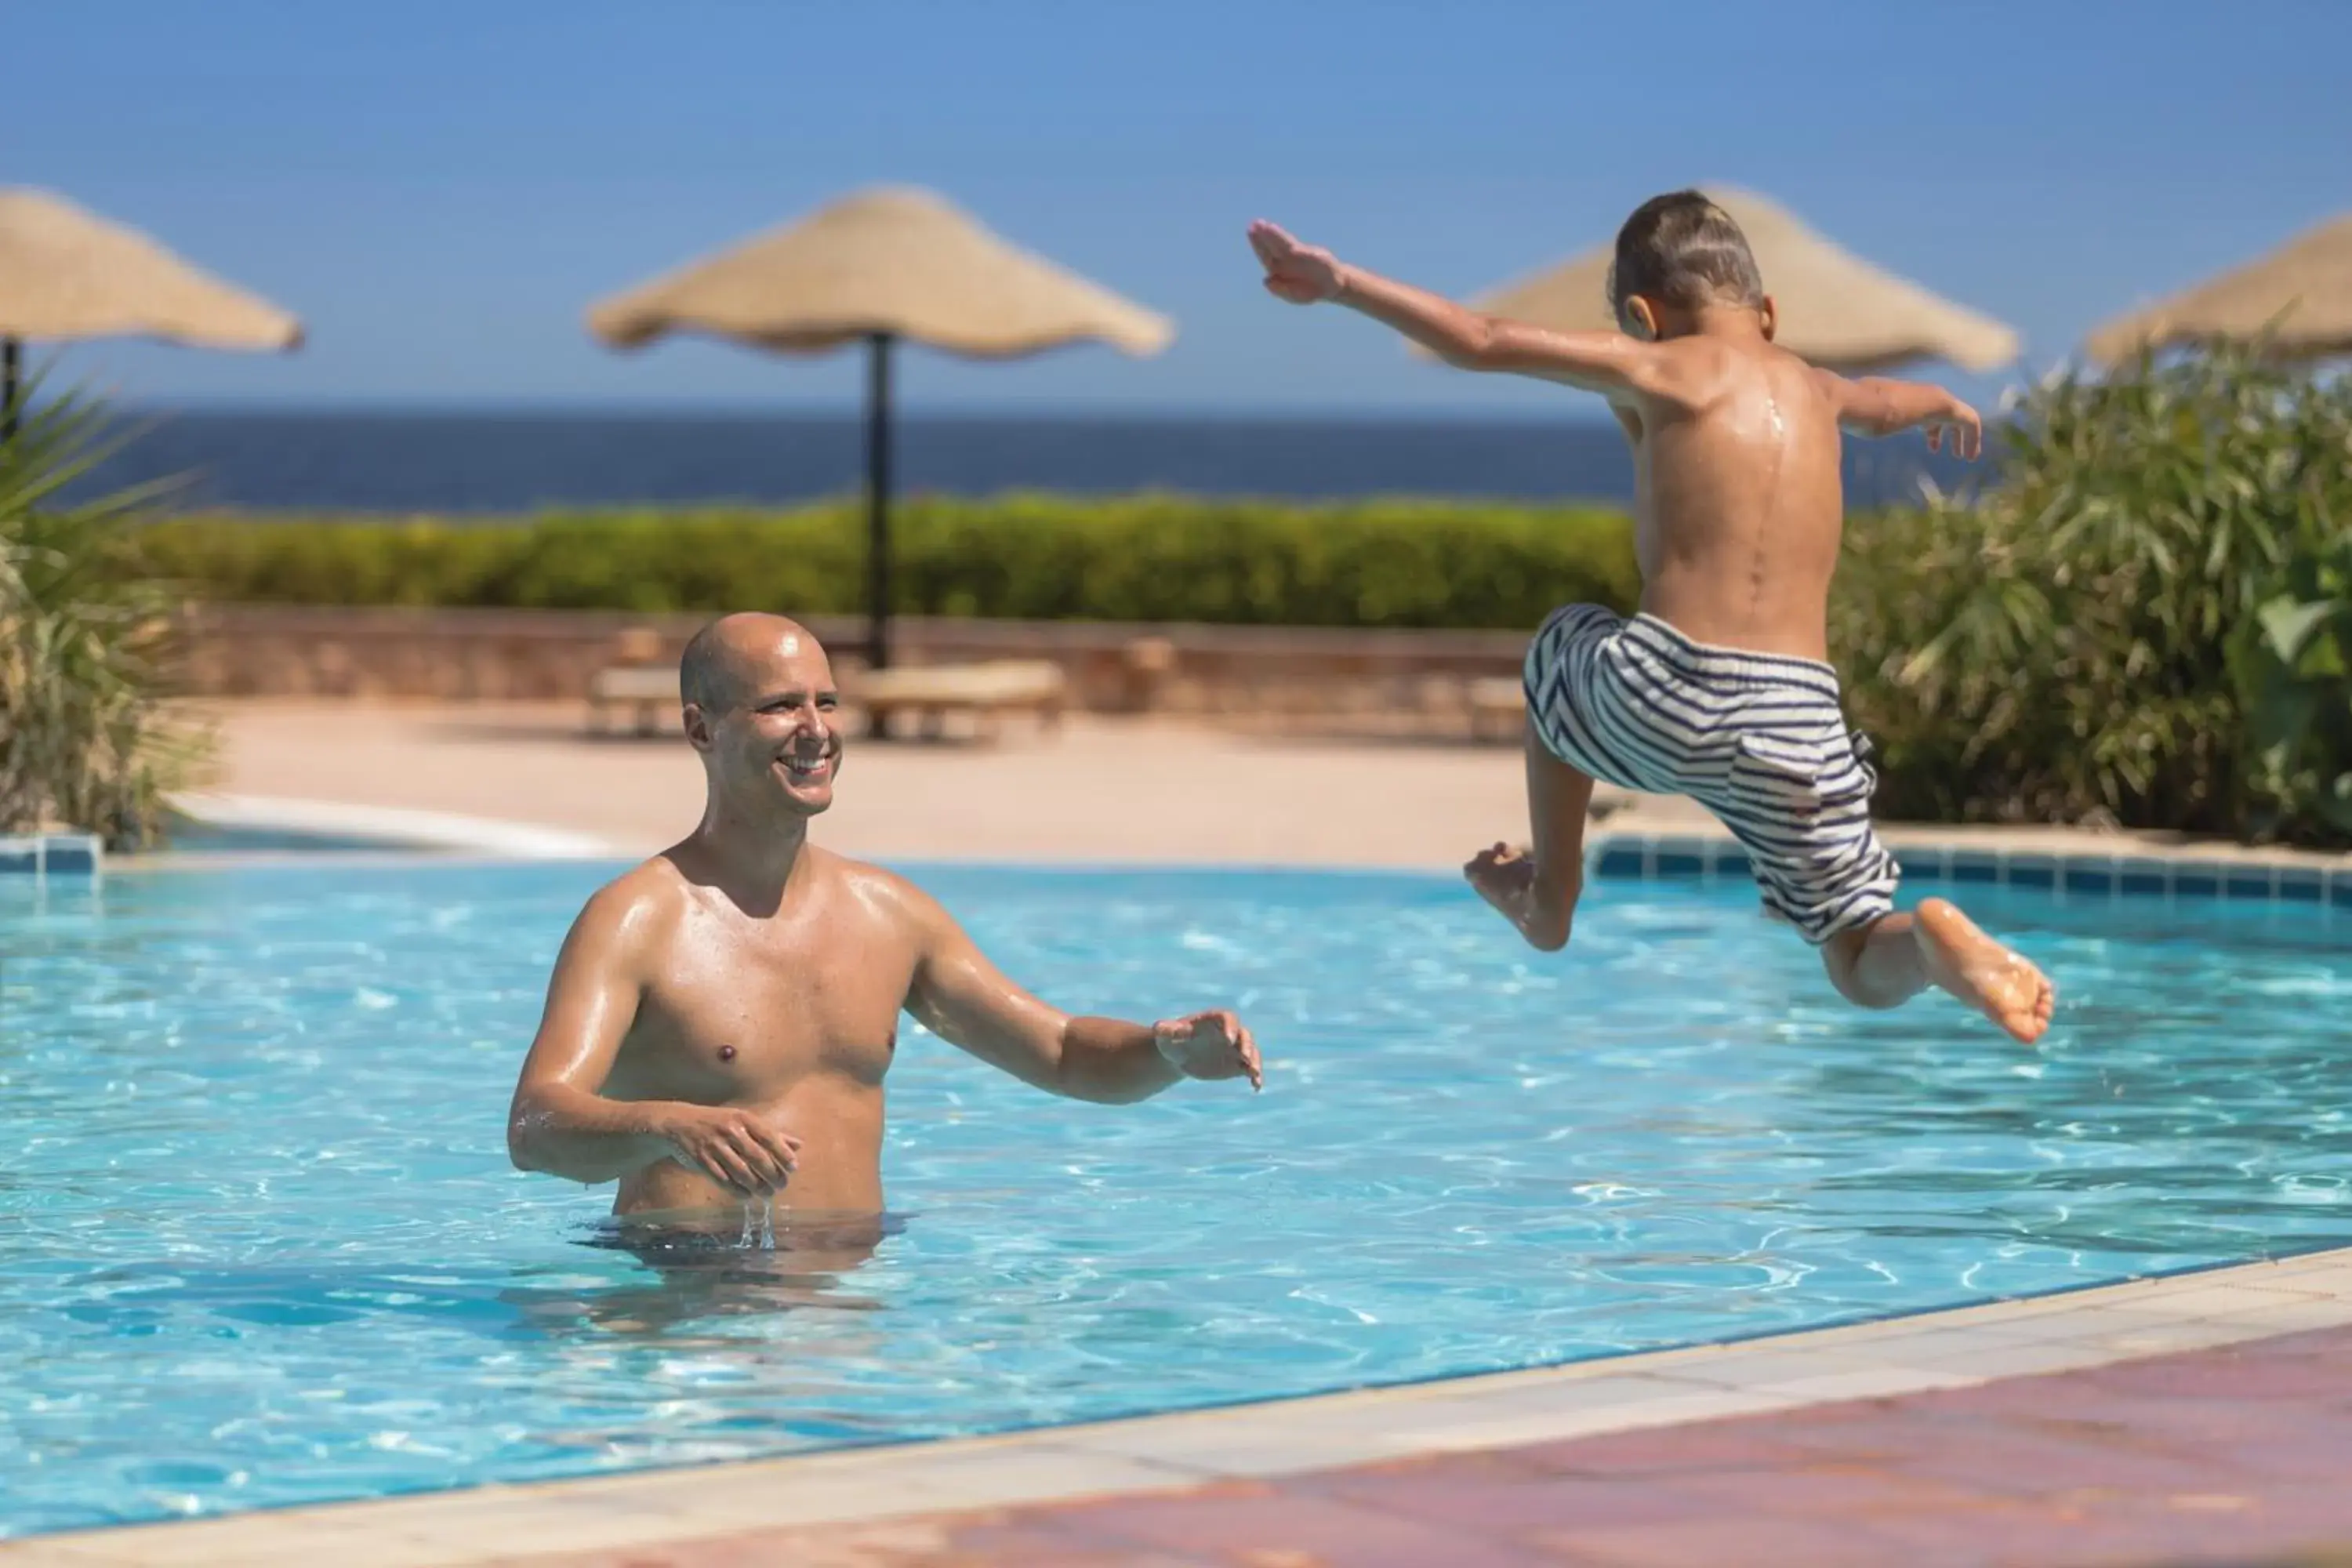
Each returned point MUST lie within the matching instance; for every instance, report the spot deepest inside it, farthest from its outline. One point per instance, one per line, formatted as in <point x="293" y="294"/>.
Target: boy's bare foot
<point x="1962" y="960"/>
<point x="1506" y="878"/>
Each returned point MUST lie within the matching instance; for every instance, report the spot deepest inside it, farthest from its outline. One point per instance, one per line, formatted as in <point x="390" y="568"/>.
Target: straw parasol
<point x="1835" y="309"/>
<point x="2299" y="295"/>
<point x="882" y="264"/>
<point x="68" y="273"/>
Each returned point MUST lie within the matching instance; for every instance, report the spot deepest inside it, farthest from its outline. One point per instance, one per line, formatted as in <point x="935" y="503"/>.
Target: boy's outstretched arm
<point x="1597" y="362"/>
<point x="1876" y="405"/>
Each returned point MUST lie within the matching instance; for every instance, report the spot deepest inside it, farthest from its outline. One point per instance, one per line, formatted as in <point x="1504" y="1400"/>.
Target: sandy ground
<point x="1099" y="790"/>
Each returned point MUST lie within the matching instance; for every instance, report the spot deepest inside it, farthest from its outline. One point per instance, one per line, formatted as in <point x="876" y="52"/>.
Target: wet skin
<point x="722" y="1018"/>
<point x="1738" y="516"/>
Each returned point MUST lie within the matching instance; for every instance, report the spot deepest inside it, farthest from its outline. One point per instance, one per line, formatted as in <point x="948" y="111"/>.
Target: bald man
<point x="721" y="1018"/>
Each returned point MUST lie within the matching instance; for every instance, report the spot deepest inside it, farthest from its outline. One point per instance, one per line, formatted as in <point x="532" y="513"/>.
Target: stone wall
<point x="271" y="650"/>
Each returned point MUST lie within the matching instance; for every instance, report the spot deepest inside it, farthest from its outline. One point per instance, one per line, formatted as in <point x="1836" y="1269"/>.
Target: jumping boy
<point x="1720" y="688"/>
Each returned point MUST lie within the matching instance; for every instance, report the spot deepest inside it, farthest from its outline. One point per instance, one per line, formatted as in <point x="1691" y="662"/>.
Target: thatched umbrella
<point x="68" y="273"/>
<point x="878" y="266"/>
<point x="1835" y="309"/>
<point x="2299" y="295"/>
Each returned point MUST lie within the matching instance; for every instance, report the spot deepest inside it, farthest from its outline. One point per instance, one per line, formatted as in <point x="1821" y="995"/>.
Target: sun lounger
<point x="639" y="679"/>
<point x="986" y="692"/>
<point x="1497" y="703"/>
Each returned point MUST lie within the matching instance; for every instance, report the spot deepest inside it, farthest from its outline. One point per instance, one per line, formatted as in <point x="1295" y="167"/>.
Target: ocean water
<point x="264" y="1245"/>
<point x="507" y="462"/>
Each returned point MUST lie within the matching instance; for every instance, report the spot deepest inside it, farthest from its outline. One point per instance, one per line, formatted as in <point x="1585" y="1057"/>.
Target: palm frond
<point x="88" y="650"/>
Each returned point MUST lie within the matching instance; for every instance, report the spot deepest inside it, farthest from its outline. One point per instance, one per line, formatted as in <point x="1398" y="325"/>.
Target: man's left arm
<point x="962" y="997"/>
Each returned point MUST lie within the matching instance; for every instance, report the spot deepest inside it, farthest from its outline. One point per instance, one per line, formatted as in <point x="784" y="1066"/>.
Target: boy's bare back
<point x="1739" y="504"/>
<point x="1722" y="689"/>
<point x="1739" y="500"/>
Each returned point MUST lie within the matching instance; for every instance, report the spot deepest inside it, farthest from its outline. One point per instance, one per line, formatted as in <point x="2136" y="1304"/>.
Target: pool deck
<point x="1103" y="789"/>
<point x="2204" y="1417"/>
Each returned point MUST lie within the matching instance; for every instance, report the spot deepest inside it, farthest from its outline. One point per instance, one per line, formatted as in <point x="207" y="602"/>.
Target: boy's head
<point x="1677" y="254"/>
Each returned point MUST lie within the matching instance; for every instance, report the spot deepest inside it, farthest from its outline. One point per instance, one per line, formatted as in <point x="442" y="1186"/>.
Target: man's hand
<point x="1966" y="429"/>
<point x="1302" y="274"/>
<point x="1210" y="1046"/>
<point x="738" y="1149"/>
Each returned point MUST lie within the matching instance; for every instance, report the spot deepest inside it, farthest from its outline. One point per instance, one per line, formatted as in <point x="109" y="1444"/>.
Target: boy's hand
<point x="1302" y="274"/>
<point x="1968" y="430"/>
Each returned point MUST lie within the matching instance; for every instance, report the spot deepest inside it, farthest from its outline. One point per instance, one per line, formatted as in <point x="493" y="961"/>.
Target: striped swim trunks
<point x="1757" y="739"/>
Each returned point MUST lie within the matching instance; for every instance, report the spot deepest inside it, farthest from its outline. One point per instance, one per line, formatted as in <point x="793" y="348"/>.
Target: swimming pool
<point x="263" y="1245"/>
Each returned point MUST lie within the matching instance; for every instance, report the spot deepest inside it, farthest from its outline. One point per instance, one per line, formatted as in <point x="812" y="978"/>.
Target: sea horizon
<point x="508" y="458"/>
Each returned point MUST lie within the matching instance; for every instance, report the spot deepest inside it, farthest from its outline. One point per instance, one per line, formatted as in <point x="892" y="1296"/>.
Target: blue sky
<point x="440" y="189"/>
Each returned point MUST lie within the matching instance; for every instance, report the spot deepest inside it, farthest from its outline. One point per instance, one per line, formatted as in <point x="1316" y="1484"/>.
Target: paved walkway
<point x="2235" y="1456"/>
<point x="1100" y="790"/>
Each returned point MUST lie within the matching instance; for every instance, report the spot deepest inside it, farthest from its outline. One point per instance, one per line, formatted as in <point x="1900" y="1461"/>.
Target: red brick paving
<point x="2237" y="1456"/>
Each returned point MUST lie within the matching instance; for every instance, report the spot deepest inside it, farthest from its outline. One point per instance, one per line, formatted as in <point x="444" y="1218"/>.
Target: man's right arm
<point x="1880" y="405"/>
<point x="560" y="1124"/>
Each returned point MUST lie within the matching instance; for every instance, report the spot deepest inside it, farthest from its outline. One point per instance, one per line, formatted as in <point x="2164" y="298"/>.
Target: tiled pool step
<point x="41" y="855"/>
<point x="1699" y="856"/>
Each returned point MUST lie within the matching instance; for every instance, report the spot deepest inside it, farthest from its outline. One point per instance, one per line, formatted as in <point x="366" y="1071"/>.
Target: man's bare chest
<point x="732" y="1021"/>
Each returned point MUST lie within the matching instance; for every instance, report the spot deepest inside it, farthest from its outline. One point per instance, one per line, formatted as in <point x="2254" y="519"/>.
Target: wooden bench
<point x="648" y="691"/>
<point x="1499" y="708"/>
<point x="986" y="692"/>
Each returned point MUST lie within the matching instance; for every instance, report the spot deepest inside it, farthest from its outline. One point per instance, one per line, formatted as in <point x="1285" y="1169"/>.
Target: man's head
<point x="761" y="707"/>
<point x="1678" y="255"/>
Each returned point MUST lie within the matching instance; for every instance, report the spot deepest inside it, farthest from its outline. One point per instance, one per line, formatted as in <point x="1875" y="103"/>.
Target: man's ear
<point x="1770" y="311"/>
<point x="1642" y="319"/>
<point x="698" y="727"/>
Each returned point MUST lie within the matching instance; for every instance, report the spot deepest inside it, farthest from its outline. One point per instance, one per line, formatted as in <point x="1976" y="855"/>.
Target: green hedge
<point x="1144" y="558"/>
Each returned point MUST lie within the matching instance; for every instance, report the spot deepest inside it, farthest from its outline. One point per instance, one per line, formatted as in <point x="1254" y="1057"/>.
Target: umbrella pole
<point x="877" y="506"/>
<point x="877" y="499"/>
<point x="9" y="350"/>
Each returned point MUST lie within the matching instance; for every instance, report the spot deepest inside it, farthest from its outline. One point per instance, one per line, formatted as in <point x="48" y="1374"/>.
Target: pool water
<point x="259" y="1242"/>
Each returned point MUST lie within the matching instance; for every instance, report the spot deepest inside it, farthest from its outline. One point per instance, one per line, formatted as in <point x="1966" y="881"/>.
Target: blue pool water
<point x="259" y="1242"/>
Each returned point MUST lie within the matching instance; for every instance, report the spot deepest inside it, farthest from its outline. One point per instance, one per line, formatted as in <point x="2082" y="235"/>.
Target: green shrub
<point x="1141" y="558"/>
<point x="87" y="738"/>
<point x="2144" y="621"/>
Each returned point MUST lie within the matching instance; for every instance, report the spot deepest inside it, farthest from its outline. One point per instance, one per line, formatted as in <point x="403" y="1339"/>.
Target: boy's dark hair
<point x="1681" y="249"/>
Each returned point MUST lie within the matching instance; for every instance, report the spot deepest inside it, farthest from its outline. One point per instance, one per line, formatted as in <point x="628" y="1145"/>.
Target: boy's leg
<point x="1886" y="958"/>
<point x="1878" y="965"/>
<point x="1537" y="888"/>
<point x="1820" y="857"/>
<point x="1896" y="956"/>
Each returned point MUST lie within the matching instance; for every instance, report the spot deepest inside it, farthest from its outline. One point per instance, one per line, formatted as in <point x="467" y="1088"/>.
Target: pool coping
<point x="397" y="827"/>
<point x="649" y="1508"/>
<point x="645" y="1508"/>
